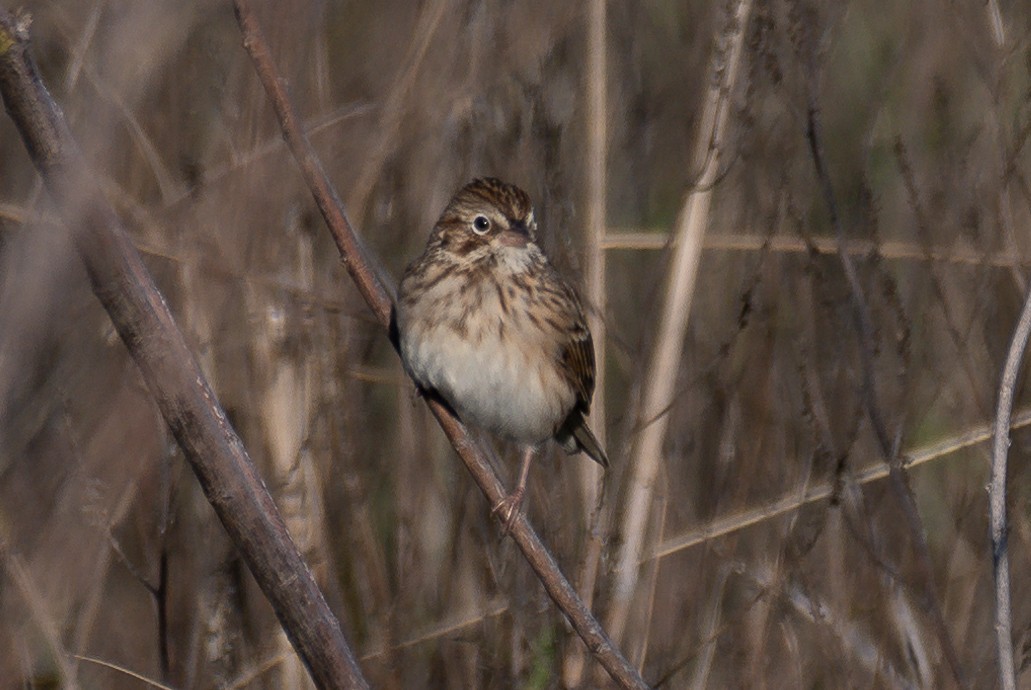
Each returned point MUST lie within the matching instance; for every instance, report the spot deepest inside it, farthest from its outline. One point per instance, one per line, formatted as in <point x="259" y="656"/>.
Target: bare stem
<point x="997" y="497"/>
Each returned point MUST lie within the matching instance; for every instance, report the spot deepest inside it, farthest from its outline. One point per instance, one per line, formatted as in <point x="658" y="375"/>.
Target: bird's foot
<point x="507" y="509"/>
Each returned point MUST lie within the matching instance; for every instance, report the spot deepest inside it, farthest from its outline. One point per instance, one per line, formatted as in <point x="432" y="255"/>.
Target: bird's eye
<point x="481" y="224"/>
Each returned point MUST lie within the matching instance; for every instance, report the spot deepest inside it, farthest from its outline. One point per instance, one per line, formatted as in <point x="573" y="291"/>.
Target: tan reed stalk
<point x="286" y="404"/>
<point x="660" y="378"/>
<point x="644" y="239"/>
<point x="596" y="183"/>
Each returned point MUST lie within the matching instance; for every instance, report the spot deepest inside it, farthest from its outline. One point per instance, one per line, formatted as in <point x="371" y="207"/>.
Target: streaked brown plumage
<point x="486" y="322"/>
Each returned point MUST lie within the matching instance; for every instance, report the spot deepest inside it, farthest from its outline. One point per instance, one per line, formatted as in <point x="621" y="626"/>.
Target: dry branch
<point x="373" y="290"/>
<point x="997" y="497"/>
<point x="141" y="317"/>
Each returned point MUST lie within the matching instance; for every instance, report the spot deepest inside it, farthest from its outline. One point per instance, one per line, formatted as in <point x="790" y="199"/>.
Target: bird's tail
<point x="575" y="436"/>
<point x="586" y="442"/>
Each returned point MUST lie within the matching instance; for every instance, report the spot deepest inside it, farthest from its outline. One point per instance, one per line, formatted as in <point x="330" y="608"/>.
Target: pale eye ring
<point x="481" y="224"/>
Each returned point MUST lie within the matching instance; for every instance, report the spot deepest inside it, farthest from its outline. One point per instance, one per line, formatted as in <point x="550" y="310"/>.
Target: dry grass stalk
<point x="596" y="183"/>
<point x="724" y="526"/>
<point x="660" y="379"/>
<point x="623" y="239"/>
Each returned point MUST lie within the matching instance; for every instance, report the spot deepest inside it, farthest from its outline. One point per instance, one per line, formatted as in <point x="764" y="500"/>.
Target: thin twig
<point x="997" y="497"/>
<point x="273" y="146"/>
<point x="792" y="501"/>
<point x="122" y="669"/>
<point x="373" y="290"/>
<point x="371" y="285"/>
<point x="923" y="229"/>
<point x="865" y="332"/>
<point x="451" y="627"/>
<point x="1000" y="446"/>
<point x="189" y="406"/>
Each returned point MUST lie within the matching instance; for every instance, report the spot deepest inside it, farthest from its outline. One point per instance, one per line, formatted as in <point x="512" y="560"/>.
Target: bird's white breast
<point x="498" y="371"/>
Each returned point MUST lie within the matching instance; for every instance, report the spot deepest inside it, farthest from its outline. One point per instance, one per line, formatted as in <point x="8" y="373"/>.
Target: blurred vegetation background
<point x="109" y="554"/>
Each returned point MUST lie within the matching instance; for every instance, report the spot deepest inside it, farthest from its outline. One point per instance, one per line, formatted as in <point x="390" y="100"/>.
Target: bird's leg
<point x="508" y="507"/>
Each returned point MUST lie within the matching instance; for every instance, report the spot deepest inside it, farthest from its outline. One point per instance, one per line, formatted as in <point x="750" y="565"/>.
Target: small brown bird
<point x="485" y="321"/>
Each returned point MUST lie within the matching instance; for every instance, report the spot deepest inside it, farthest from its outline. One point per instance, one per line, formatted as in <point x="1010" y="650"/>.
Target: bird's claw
<point x="507" y="510"/>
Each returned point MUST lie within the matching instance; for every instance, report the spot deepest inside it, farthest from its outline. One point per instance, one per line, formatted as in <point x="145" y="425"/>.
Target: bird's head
<point x="487" y="217"/>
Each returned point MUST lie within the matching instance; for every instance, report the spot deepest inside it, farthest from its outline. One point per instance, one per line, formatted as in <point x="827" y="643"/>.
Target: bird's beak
<point x="515" y="236"/>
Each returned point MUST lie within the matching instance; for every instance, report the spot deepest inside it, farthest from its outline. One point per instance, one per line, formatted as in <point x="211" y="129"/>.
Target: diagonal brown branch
<point x="376" y="294"/>
<point x="142" y="319"/>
